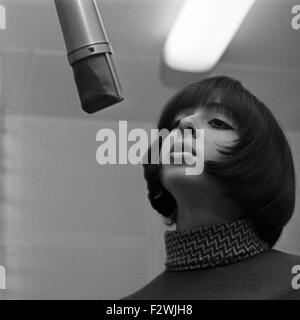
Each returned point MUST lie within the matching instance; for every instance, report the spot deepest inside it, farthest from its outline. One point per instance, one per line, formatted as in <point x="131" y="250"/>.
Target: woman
<point x="229" y="217"/>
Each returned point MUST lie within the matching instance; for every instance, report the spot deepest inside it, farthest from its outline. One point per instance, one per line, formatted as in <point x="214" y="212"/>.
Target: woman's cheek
<point x="210" y="147"/>
<point x="213" y="141"/>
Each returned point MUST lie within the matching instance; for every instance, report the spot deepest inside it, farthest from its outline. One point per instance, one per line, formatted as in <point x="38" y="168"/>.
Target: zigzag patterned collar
<point x="212" y="246"/>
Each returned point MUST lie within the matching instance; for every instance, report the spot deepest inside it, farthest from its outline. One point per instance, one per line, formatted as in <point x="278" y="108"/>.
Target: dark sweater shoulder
<point x="265" y="276"/>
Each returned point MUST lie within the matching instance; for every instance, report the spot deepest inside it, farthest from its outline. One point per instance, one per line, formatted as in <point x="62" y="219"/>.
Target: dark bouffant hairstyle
<point x="258" y="170"/>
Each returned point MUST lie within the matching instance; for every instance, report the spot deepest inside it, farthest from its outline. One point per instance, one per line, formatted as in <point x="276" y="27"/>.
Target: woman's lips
<point x="181" y="158"/>
<point x="182" y="152"/>
<point x="181" y="148"/>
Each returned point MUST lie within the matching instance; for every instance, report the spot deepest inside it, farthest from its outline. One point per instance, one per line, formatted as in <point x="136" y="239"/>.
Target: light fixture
<point x="202" y="32"/>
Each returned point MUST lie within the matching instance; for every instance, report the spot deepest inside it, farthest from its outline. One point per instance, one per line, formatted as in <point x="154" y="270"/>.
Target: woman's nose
<point x="188" y="123"/>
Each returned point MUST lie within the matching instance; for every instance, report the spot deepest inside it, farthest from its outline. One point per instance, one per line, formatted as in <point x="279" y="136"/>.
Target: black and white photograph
<point x="149" y="153"/>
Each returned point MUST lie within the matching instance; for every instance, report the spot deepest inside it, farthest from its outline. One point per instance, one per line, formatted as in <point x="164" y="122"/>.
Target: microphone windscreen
<point x="97" y="82"/>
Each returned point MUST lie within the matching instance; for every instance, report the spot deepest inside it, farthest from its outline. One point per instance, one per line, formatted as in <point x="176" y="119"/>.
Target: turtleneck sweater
<point x="224" y="261"/>
<point x="212" y="246"/>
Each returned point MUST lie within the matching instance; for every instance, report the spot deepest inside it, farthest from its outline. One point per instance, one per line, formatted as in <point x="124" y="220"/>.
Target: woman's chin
<point x="176" y="174"/>
<point x="176" y="170"/>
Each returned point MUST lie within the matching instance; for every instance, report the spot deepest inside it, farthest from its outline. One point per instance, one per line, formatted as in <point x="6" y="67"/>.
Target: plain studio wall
<point x="74" y="229"/>
<point x="70" y="228"/>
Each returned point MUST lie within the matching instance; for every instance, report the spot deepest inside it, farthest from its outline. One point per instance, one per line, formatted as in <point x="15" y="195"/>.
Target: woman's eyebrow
<point x="209" y="108"/>
<point x="219" y="107"/>
<point x="183" y="113"/>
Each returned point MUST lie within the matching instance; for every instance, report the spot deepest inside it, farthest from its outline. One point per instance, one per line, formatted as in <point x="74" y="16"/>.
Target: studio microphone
<point x="89" y="54"/>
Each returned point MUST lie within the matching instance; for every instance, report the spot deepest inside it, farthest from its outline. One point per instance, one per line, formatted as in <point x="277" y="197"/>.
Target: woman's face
<point x="219" y="130"/>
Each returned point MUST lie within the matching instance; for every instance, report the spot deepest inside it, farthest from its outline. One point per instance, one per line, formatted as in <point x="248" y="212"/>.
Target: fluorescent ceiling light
<point x="202" y="32"/>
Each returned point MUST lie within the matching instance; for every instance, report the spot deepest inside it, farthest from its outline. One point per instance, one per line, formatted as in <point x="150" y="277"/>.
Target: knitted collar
<point x="212" y="246"/>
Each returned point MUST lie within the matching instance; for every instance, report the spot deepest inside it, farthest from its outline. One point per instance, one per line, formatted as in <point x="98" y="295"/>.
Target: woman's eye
<point x="219" y="124"/>
<point x="175" y="124"/>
